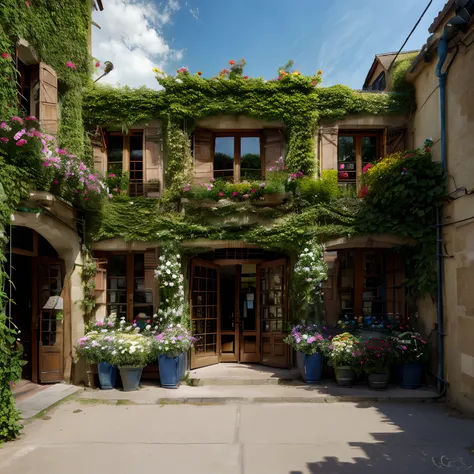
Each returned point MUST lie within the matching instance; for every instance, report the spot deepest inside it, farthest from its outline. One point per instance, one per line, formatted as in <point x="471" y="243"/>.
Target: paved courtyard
<point x="349" y="438"/>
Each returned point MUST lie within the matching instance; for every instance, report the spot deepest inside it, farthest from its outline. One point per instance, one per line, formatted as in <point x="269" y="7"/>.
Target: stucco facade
<point x="458" y="229"/>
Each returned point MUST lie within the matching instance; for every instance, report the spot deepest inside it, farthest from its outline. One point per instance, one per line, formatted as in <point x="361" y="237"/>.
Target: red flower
<point x="5" y="55"/>
<point x="231" y="62"/>
<point x="246" y="77"/>
<point x="343" y="175"/>
<point x="428" y="149"/>
<point x="70" y="65"/>
<point x="27" y="3"/>
<point x="367" y="167"/>
<point x="97" y="64"/>
<point x="221" y="194"/>
<point x="363" y="192"/>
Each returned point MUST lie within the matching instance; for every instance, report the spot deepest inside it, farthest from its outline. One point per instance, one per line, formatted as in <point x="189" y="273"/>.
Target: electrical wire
<point x="411" y="32"/>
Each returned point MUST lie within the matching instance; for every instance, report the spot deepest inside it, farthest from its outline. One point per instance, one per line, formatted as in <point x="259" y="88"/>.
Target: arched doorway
<point x="36" y="281"/>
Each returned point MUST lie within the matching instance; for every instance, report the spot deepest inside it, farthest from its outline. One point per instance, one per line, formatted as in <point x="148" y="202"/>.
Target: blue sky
<point x="341" y="37"/>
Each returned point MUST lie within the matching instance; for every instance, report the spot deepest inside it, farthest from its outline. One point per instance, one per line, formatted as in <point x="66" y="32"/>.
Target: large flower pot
<point x="411" y="374"/>
<point x="169" y="370"/>
<point x="182" y="365"/>
<point x="92" y="376"/>
<point x="378" y="381"/>
<point x="311" y="367"/>
<point x="345" y="376"/>
<point x="107" y="375"/>
<point x="130" y="378"/>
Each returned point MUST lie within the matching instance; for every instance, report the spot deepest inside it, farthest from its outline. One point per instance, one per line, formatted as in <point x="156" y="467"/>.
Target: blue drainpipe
<point x="442" y="55"/>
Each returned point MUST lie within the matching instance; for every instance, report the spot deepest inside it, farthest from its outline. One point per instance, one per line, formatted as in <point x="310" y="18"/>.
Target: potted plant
<point x="377" y="359"/>
<point x="413" y="352"/>
<point x="307" y="342"/>
<point x="172" y="345"/>
<point x="132" y="353"/>
<point x="343" y="353"/>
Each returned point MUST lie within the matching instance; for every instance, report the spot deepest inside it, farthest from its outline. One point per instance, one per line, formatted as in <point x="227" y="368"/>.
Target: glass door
<point x="272" y="308"/>
<point x="205" y="313"/>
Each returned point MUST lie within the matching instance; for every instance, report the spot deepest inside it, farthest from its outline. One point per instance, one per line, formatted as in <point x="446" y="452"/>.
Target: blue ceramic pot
<point x="107" y="375"/>
<point x="411" y="374"/>
<point x="130" y="377"/>
<point x="170" y="370"/>
<point x="182" y="365"/>
<point x="311" y="367"/>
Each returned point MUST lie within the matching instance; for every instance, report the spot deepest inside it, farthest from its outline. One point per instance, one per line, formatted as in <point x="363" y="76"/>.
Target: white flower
<point x="166" y="283"/>
<point x="171" y="283"/>
<point x="168" y="263"/>
<point x="114" y="352"/>
<point x="148" y="327"/>
<point x="168" y="271"/>
<point x="305" y="336"/>
<point x="179" y="81"/>
<point x="103" y="330"/>
<point x="128" y="329"/>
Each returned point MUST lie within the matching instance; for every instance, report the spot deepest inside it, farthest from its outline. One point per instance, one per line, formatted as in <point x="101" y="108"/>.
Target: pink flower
<point x="342" y="166"/>
<point x="86" y="199"/>
<point x="343" y="175"/>
<point x="56" y="181"/>
<point x="3" y="126"/>
<point x="70" y="65"/>
<point x="21" y="142"/>
<point x="245" y="196"/>
<point x="367" y="167"/>
<point x="27" y="3"/>
<point x="212" y="180"/>
<point x="209" y="188"/>
<point x="186" y="188"/>
<point x="110" y="195"/>
<point x="111" y="175"/>
<point x="17" y="119"/>
<point x="4" y="139"/>
<point x="221" y="194"/>
<point x="31" y="117"/>
<point x="311" y="340"/>
<point x="254" y="190"/>
<point x="262" y="185"/>
<point x="246" y="77"/>
<point x="5" y="55"/>
<point x="404" y="348"/>
<point x="235" y="193"/>
<point x="97" y="64"/>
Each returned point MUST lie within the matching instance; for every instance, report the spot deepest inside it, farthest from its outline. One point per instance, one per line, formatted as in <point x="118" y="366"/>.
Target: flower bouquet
<point x="413" y="353"/>
<point x="172" y="345"/>
<point x="308" y="342"/>
<point x="378" y="357"/>
<point x="344" y="352"/>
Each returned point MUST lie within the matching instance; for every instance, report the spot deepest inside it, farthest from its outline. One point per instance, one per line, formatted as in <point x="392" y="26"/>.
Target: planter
<point x="92" y="376"/>
<point x="378" y="381"/>
<point x="130" y="378"/>
<point x="183" y="358"/>
<point x="311" y="366"/>
<point x="345" y="376"/>
<point x="411" y="374"/>
<point x="170" y="370"/>
<point x="107" y="375"/>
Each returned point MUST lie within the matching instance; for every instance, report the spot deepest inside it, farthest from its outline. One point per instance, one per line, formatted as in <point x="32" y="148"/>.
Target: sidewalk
<point x="295" y="393"/>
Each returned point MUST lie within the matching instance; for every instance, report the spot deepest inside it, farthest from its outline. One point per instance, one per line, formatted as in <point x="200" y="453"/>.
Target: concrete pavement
<point x="345" y="438"/>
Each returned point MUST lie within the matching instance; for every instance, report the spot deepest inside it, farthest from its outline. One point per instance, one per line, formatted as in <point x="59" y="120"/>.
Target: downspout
<point x="442" y="55"/>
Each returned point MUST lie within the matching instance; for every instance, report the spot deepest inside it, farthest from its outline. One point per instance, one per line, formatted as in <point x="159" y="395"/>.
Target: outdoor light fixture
<point x="109" y="67"/>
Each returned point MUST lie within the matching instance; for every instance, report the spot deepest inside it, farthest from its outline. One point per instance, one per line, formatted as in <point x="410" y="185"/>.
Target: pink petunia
<point x="17" y="119"/>
<point x="30" y="117"/>
<point x="5" y="55"/>
<point x="21" y="142"/>
<point x="4" y="139"/>
<point x="70" y="65"/>
<point x="221" y="194"/>
<point x="3" y="125"/>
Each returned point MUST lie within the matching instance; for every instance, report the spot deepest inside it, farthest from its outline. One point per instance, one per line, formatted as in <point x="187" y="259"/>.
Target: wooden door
<point x="205" y="313"/>
<point x="273" y="308"/>
<point x="48" y="282"/>
<point x="229" y="314"/>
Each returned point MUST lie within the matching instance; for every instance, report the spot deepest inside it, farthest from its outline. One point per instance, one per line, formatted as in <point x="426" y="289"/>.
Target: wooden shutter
<point x="48" y="99"/>
<point x="394" y="141"/>
<point x="328" y="148"/>
<point x="274" y="146"/>
<point x="153" y="159"/>
<point x="101" y="281"/>
<point x="203" y="156"/>
<point x="151" y="263"/>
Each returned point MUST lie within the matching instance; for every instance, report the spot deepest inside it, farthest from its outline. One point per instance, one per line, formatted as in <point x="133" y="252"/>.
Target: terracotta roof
<point x="441" y="15"/>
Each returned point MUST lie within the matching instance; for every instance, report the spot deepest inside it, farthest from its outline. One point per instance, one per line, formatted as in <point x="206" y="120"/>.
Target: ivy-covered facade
<point x="243" y="180"/>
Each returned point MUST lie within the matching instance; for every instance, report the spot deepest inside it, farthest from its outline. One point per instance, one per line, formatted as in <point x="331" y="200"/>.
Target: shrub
<point x="378" y="356"/>
<point x="344" y="349"/>
<point x="305" y="339"/>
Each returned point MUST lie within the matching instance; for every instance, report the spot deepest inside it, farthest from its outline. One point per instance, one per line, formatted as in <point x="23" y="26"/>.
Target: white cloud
<point x="194" y="12"/>
<point x="131" y="37"/>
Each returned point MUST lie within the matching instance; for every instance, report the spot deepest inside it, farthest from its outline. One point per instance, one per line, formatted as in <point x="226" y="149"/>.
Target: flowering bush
<point x="132" y="350"/>
<point x="50" y="166"/>
<point x="411" y="347"/>
<point x="310" y="270"/>
<point x="172" y="306"/>
<point x="378" y="356"/>
<point x="305" y="339"/>
<point x="344" y="349"/>
<point x="174" y="340"/>
<point x="96" y="347"/>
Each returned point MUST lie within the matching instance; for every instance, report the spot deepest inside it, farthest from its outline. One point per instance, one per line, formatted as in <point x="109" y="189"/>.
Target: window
<point x="136" y="163"/>
<point x="238" y="156"/>
<point x="28" y="88"/>
<point x="125" y="153"/>
<point x="354" y="151"/>
<point x="117" y="286"/>
<point x="379" y="84"/>
<point x="115" y="152"/>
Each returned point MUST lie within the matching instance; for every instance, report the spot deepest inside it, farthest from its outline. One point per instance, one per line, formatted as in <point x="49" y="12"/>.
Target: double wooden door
<point x="257" y="330"/>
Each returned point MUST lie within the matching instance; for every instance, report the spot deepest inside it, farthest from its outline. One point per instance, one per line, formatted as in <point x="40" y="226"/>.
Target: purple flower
<point x="331" y="347"/>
